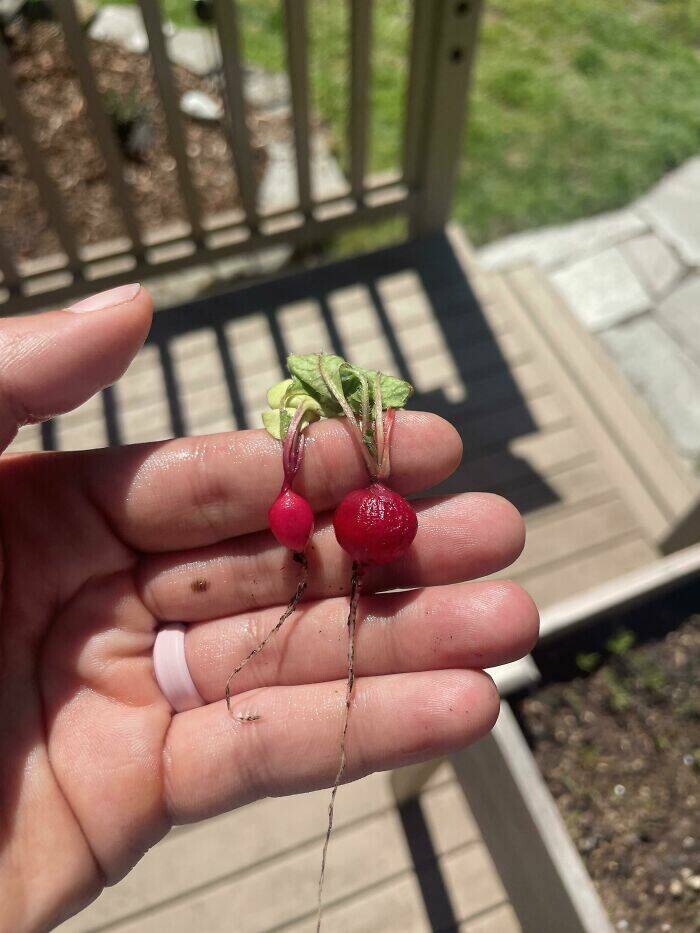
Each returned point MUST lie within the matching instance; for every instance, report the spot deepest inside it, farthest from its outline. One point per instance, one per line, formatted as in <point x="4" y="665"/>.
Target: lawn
<point x="578" y="106"/>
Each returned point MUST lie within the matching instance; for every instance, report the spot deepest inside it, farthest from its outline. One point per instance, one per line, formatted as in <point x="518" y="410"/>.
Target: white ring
<point x="171" y="670"/>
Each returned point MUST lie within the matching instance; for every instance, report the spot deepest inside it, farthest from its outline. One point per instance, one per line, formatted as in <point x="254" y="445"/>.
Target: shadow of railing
<point x="450" y="352"/>
<point x="434" y="893"/>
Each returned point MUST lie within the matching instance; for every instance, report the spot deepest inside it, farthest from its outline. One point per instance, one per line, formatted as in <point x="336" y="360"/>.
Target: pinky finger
<point x="285" y="740"/>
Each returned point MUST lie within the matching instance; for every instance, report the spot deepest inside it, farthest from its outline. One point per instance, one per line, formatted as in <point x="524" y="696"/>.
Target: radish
<point x="290" y="516"/>
<point x="374" y="524"/>
<point x="291" y="519"/>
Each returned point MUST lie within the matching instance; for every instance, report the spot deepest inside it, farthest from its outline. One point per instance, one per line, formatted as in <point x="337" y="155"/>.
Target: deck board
<point x="467" y="345"/>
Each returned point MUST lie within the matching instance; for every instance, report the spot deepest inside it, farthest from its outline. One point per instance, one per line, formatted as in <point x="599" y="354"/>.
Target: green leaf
<point x="297" y="395"/>
<point x="276" y="394"/>
<point x="395" y="392"/>
<point x="277" y="420"/>
<point x="307" y="371"/>
<point x="307" y="379"/>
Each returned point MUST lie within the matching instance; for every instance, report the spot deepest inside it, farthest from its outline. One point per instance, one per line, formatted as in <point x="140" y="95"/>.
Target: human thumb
<point x="53" y="362"/>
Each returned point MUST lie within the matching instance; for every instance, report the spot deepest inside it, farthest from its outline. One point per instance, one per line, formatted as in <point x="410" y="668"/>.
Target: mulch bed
<point x="620" y="750"/>
<point x="50" y="92"/>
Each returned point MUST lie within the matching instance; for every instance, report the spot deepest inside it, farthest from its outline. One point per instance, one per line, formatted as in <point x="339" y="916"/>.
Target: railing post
<point x="453" y="37"/>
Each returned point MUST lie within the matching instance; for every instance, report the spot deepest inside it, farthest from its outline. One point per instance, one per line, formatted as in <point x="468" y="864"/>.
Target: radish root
<point x="355" y="588"/>
<point x="300" y="558"/>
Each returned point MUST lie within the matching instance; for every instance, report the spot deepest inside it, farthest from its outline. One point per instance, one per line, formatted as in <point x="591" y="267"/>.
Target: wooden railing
<point x="443" y="39"/>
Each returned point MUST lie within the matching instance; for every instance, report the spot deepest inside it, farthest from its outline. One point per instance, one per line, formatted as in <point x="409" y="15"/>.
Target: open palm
<point x="100" y="548"/>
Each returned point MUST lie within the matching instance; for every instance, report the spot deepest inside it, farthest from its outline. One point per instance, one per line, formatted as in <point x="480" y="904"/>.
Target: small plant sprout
<point x="290" y="516"/>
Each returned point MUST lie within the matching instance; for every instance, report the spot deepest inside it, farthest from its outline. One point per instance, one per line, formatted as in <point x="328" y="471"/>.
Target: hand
<point x="100" y="547"/>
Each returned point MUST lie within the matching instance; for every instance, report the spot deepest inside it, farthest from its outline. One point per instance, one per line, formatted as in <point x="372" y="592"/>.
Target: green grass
<point x="578" y="106"/>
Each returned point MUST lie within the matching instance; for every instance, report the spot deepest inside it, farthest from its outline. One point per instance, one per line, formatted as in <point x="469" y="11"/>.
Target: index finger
<point x="201" y="490"/>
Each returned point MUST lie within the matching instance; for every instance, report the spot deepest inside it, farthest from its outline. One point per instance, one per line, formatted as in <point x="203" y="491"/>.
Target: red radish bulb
<point x="375" y="525"/>
<point x="291" y="519"/>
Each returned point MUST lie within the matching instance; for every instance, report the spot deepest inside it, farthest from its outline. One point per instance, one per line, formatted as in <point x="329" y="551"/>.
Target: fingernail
<point x="114" y="296"/>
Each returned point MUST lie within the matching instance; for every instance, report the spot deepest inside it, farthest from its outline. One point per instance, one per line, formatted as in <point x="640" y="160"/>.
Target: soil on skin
<point x="620" y="751"/>
<point x="50" y="92"/>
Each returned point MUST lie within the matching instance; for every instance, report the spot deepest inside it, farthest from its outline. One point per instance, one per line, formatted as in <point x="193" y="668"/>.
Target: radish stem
<point x="300" y="558"/>
<point x="355" y="587"/>
<point x="349" y="414"/>
<point x="378" y="425"/>
<point x="293" y="445"/>
<point x="385" y="462"/>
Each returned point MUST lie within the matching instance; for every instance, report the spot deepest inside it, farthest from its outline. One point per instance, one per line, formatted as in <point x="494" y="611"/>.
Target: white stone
<point x="201" y="106"/>
<point x="654" y="262"/>
<point x="197" y="50"/>
<point x="602" y="289"/>
<point x="266" y="90"/>
<point x="672" y="208"/>
<point x="551" y="246"/>
<point x="122" y="25"/>
<point x="680" y="314"/>
<point x="669" y="381"/>
<point x="9" y="9"/>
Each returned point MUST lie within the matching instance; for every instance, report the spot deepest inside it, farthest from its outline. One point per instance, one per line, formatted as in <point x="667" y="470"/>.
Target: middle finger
<point x="459" y="538"/>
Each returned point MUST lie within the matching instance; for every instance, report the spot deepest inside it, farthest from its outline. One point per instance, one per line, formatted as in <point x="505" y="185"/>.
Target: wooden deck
<point x="532" y="432"/>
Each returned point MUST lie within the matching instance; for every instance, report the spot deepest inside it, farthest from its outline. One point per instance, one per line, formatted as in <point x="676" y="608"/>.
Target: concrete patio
<point x="632" y="278"/>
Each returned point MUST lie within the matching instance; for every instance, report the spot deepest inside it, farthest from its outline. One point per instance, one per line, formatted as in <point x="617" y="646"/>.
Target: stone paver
<point x="672" y="209"/>
<point x="654" y="262"/>
<point x="668" y="380"/>
<point x="602" y="289"/>
<point x="633" y="278"/>
<point x="680" y="314"/>
<point x="553" y="246"/>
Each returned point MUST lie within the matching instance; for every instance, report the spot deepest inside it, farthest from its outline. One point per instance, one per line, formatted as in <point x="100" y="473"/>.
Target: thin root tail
<point x="355" y="587"/>
<point x="300" y="558"/>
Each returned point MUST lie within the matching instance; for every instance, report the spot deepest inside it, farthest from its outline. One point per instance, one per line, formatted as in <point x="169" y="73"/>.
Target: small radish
<point x="374" y="525"/>
<point x="291" y="518"/>
<point x="291" y="521"/>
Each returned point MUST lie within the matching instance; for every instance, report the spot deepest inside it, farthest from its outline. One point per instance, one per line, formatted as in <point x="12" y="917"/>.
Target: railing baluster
<point x="20" y="126"/>
<point x="226" y="18"/>
<point x="422" y="33"/>
<point x="360" y="43"/>
<point x="296" y="35"/>
<point x="75" y="44"/>
<point x="453" y="40"/>
<point x="150" y="10"/>
<point x="10" y="275"/>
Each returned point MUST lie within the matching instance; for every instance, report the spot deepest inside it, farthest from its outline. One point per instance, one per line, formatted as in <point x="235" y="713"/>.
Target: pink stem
<point x="385" y="465"/>
<point x="378" y="424"/>
<point x="293" y="446"/>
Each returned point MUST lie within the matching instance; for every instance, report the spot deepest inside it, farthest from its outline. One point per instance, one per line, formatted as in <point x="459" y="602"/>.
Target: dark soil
<point x="51" y="94"/>
<point x="618" y="742"/>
